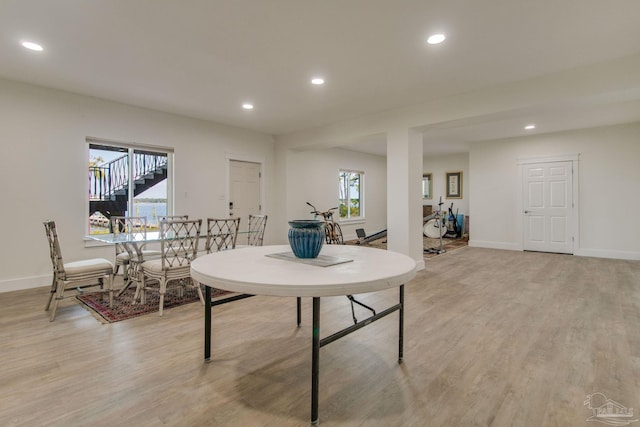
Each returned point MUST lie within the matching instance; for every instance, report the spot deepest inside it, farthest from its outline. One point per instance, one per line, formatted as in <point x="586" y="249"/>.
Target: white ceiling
<point x="204" y="58"/>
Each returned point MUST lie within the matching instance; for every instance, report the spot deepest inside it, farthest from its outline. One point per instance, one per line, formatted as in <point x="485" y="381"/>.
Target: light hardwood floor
<point x="492" y="337"/>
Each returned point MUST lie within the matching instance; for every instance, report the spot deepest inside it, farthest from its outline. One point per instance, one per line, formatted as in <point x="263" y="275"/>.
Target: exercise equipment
<point x="435" y="227"/>
<point x="363" y="238"/>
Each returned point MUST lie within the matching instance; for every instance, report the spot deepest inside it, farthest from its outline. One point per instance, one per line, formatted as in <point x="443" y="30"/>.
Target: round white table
<point x="273" y="270"/>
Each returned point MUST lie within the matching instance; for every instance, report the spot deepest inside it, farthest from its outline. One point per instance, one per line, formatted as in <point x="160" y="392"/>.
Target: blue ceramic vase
<point x="306" y="237"/>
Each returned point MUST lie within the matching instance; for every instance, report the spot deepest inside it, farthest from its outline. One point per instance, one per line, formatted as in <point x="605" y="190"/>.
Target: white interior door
<point x="244" y="190"/>
<point x="548" y="207"/>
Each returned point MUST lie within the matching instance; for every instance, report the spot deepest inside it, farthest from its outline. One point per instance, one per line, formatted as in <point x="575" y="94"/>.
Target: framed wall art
<point x="454" y="185"/>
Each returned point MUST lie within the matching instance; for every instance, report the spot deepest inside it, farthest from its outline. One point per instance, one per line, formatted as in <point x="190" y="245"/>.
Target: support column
<point x="404" y="198"/>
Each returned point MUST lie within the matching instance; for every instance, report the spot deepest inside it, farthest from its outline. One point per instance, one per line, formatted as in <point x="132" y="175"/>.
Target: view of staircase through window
<point x="126" y="182"/>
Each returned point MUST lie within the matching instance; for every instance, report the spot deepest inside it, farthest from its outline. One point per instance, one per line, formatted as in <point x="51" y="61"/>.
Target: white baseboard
<point x="25" y="283"/>
<point x="596" y="253"/>
<point x="602" y="253"/>
<point x="40" y="281"/>
<point x="495" y="245"/>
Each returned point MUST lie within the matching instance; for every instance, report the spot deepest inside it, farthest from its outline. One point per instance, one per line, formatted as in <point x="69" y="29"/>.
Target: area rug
<point x="123" y="309"/>
<point x="447" y="244"/>
<point x="427" y="242"/>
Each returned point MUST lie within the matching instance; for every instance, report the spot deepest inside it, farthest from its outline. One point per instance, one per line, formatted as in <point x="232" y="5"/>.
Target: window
<point x="127" y="181"/>
<point x="427" y="186"/>
<point x="350" y="191"/>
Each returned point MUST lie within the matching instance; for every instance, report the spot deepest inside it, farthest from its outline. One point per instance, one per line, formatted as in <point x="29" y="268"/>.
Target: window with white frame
<point x="127" y="180"/>
<point x="351" y="190"/>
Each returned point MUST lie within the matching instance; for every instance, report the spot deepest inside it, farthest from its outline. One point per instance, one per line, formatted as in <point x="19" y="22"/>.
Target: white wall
<point x="438" y="166"/>
<point x="43" y="170"/>
<point x="43" y="176"/>
<point x="608" y="188"/>
<point x="312" y="176"/>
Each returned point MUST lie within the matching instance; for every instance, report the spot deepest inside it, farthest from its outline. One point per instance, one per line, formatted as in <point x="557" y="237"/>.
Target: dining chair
<point x="179" y="246"/>
<point x="123" y="224"/>
<point x="221" y="234"/>
<point x="255" y="234"/>
<point x="75" y="276"/>
<point x="136" y="227"/>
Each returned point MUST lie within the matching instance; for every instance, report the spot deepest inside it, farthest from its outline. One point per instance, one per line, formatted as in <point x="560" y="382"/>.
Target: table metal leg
<point x="315" y="361"/>
<point x="316" y="342"/>
<point x="208" y="316"/>
<point x="401" y="326"/>
<point x="207" y="323"/>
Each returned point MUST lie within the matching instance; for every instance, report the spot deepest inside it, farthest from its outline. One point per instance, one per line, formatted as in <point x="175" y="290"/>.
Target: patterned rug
<point x="123" y="309"/>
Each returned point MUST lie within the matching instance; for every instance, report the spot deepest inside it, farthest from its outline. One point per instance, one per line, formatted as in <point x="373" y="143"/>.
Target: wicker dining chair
<point x="221" y="234"/>
<point x="257" y="224"/>
<point x="178" y="246"/>
<point x="75" y="276"/>
<point x="136" y="227"/>
<point x="126" y="224"/>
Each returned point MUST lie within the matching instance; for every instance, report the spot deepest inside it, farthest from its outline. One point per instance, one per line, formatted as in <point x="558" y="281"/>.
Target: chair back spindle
<point x="54" y="249"/>
<point x="221" y="234"/>
<point x="257" y="224"/>
<point x="135" y="227"/>
<point x="179" y="242"/>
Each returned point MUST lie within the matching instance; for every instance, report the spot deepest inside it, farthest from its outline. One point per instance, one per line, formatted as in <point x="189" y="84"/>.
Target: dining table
<point x="274" y="271"/>
<point x="133" y="241"/>
<point x="133" y="244"/>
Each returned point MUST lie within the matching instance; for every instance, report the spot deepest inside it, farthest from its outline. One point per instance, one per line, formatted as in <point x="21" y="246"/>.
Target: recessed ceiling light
<point x="317" y="81"/>
<point x="529" y="127"/>
<point x="247" y="106"/>
<point x="436" y="38"/>
<point x="32" y="46"/>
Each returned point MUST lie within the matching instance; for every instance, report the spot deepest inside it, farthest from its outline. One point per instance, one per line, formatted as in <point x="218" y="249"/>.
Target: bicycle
<point x="332" y="230"/>
<point x="333" y="235"/>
